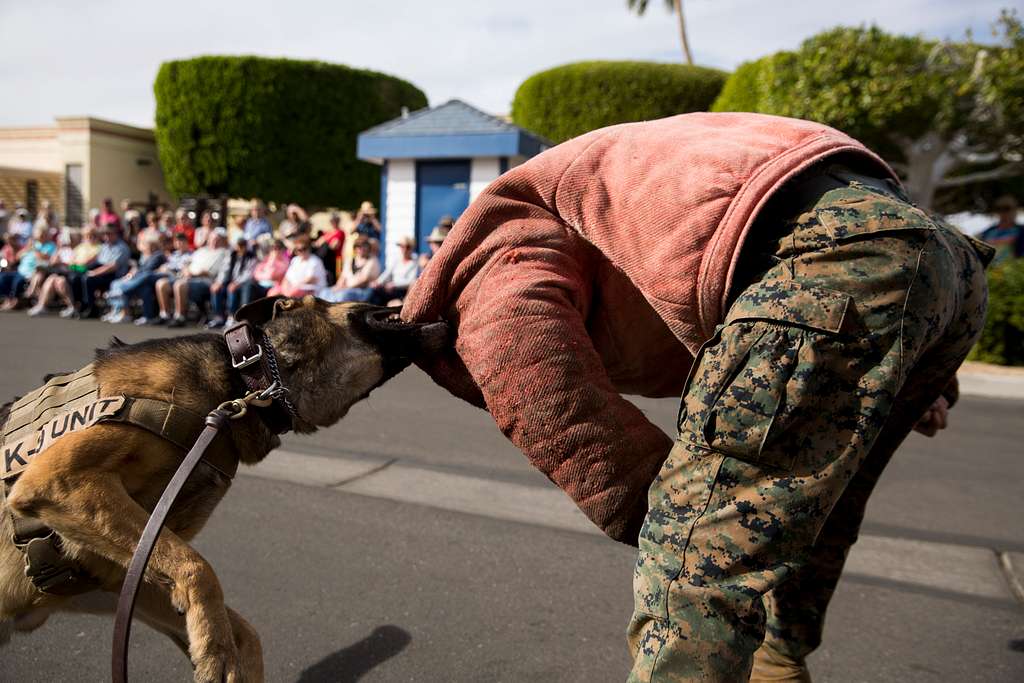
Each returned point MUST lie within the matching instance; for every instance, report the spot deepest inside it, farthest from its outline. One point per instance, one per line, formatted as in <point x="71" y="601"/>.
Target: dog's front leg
<point x="91" y="509"/>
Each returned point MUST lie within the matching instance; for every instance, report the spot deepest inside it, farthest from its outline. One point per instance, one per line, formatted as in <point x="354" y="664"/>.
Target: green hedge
<point x="1002" y="340"/>
<point x="280" y="129"/>
<point x="570" y="100"/>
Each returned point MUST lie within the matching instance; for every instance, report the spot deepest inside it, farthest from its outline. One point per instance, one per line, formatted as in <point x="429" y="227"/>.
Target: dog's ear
<point x="395" y="336"/>
<point x="261" y="311"/>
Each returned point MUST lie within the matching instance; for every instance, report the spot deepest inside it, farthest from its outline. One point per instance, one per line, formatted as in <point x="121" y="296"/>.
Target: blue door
<point x="442" y="187"/>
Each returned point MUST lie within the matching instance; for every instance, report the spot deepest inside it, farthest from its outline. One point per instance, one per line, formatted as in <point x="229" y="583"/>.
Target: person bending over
<point x="773" y="274"/>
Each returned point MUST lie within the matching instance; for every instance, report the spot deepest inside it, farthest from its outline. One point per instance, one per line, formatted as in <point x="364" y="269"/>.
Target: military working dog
<point x="94" y="486"/>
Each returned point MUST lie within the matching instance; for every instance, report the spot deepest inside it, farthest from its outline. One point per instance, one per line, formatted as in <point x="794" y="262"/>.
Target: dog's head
<point x="333" y="355"/>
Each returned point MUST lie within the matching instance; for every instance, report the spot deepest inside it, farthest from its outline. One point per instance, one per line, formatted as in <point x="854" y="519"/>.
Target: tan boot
<point x="772" y="667"/>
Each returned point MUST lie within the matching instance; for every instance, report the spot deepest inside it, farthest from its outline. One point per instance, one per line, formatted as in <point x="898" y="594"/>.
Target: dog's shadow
<point x="353" y="662"/>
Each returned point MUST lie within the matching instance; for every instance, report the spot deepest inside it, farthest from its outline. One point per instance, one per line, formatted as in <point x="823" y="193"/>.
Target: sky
<point x="99" y="57"/>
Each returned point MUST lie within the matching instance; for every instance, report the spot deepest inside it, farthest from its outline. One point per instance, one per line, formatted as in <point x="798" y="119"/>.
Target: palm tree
<point x="675" y="6"/>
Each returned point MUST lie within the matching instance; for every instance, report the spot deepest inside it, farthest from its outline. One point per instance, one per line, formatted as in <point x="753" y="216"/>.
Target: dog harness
<point x="64" y="405"/>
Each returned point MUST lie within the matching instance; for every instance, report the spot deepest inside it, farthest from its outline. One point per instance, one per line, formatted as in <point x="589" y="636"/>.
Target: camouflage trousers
<point x="850" y="321"/>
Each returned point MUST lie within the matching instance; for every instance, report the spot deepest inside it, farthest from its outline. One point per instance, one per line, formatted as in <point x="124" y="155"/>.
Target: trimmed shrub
<point x="1002" y="340"/>
<point x="570" y="100"/>
<point x="279" y="129"/>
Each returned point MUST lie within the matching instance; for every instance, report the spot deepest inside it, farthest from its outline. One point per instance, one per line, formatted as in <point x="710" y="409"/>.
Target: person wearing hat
<point x="21" y="225"/>
<point x="357" y="276"/>
<point x="1007" y="235"/>
<point x="396" y="279"/>
<point x="366" y="221"/>
<point x="434" y="241"/>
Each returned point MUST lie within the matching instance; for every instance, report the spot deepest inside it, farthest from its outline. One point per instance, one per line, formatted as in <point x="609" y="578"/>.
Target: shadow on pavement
<point x="353" y="662"/>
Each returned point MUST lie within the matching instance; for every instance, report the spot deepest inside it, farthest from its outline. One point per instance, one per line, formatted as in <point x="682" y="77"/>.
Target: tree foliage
<point x="1002" y="340"/>
<point x="570" y="100"/>
<point x="280" y="129"/>
<point x="944" y="114"/>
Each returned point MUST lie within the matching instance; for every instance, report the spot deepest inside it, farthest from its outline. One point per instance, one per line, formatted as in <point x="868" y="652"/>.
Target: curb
<point x="991" y="381"/>
<point x="960" y="571"/>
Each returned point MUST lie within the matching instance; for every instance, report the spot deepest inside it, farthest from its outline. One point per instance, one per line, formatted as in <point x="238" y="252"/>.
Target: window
<point x="32" y="196"/>
<point x="73" y="194"/>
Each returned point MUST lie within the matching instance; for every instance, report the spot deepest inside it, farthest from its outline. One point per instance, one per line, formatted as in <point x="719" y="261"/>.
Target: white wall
<point x="482" y="172"/>
<point x="400" y="214"/>
<point x="114" y="170"/>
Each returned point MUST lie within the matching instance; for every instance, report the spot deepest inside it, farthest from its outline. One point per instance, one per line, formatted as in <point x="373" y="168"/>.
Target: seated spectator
<point x="112" y="262"/>
<point x="166" y="223"/>
<point x="393" y="284"/>
<point x="434" y="241"/>
<point x="34" y="254"/>
<point x="46" y="215"/>
<point x="11" y="245"/>
<point x="4" y="217"/>
<point x="63" y="282"/>
<point x="231" y="290"/>
<point x="185" y="225"/>
<point x="257" y="224"/>
<point x="1007" y="236"/>
<point x="357" y="275"/>
<point x="305" y="274"/>
<point x="294" y="218"/>
<point x="366" y="221"/>
<point x="21" y="226"/>
<point x="144" y="275"/>
<point x="179" y="255"/>
<point x="236" y="228"/>
<point x="193" y="284"/>
<point x="58" y="265"/>
<point x="330" y="247"/>
<point x="107" y="215"/>
<point x="271" y="269"/>
<point x="206" y="227"/>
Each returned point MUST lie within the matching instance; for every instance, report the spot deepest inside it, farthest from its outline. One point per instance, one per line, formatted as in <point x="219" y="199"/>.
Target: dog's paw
<point x="221" y="666"/>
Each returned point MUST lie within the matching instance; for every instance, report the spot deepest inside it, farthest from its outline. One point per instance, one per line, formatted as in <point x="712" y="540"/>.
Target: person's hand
<point x="94" y="272"/>
<point x="232" y="287"/>
<point x="935" y="418"/>
<point x="215" y="286"/>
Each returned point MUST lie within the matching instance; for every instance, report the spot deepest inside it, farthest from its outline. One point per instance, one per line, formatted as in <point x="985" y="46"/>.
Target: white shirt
<point x="302" y="268"/>
<point x="401" y="273"/>
<point x="207" y="261"/>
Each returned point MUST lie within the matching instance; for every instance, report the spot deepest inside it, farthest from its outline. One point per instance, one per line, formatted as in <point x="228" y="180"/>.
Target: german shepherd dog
<point x="95" y="486"/>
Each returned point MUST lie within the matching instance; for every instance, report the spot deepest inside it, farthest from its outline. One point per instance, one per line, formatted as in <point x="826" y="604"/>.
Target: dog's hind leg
<point x="90" y="508"/>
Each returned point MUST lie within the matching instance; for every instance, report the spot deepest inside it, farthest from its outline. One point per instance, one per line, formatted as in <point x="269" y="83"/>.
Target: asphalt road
<point x="345" y="587"/>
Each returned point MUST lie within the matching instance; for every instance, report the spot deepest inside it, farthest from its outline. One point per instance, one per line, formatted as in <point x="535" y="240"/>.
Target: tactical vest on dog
<point x="64" y="405"/>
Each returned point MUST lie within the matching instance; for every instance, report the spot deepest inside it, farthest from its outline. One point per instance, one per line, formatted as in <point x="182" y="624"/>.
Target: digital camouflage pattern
<point x="852" y="319"/>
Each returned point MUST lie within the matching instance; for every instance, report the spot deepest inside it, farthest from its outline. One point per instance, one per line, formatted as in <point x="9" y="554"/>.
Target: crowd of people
<point x="164" y="267"/>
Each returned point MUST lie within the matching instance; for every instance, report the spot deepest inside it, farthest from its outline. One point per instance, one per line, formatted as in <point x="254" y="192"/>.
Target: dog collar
<point x="253" y="357"/>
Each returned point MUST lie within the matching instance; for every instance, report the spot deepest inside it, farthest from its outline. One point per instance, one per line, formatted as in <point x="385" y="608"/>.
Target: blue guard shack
<point x="435" y="161"/>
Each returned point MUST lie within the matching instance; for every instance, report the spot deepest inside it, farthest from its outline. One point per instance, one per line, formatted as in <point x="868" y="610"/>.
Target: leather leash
<point x="258" y="366"/>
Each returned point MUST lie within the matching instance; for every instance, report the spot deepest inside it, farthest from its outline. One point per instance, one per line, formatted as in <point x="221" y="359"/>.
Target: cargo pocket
<point x="765" y="377"/>
<point x="869" y="211"/>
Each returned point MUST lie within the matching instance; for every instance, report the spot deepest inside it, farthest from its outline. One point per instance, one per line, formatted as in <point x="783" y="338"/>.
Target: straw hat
<point x="367" y="207"/>
<point x="437" y="235"/>
<point x="406" y="241"/>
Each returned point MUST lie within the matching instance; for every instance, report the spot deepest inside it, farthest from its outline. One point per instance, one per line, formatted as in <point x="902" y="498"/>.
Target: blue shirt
<point x="27" y="264"/>
<point x="254" y="227"/>
<point x="117" y="253"/>
<point x="1009" y="242"/>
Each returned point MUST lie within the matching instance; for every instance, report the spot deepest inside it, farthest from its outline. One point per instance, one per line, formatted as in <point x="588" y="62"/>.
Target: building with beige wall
<point x="78" y="162"/>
